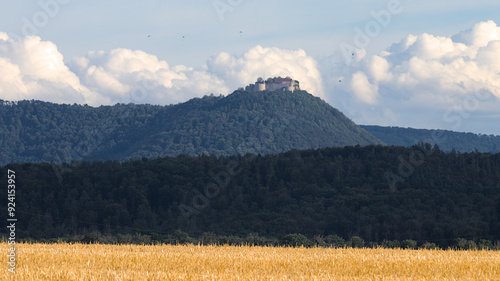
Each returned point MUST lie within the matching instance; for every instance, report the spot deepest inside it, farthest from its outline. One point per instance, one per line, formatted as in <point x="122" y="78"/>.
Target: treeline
<point x="290" y="240"/>
<point x="374" y="192"/>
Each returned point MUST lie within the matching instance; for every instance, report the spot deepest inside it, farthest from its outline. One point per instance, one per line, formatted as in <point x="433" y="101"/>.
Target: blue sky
<point x="162" y="52"/>
<point x="315" y="26"/>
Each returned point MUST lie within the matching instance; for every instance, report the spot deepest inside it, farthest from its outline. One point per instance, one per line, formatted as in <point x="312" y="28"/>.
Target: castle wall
<point x="287" y="85"/>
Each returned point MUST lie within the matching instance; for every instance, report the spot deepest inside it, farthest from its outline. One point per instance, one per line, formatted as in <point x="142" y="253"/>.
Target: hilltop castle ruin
<point x="274" y="84"/>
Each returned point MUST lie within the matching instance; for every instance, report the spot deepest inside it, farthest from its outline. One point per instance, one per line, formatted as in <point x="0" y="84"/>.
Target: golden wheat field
<point x="191" y="262"/>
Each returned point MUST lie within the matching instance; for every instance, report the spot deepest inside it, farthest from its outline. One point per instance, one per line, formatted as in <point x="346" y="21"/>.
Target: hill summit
<point x="242" y="122"/>
<point x="274" y="84"/>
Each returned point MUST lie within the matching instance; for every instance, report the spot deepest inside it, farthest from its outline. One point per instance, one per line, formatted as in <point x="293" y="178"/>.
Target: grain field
<point x="192" y="262"/>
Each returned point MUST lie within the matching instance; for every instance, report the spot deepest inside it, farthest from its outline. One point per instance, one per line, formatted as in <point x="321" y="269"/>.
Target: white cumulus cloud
<point x="242" y="70"/>
<point x="124" y="75"/>
<point x="422" y="76"/>
<point x="363" y="89"/>
<point x="34" y="69"/>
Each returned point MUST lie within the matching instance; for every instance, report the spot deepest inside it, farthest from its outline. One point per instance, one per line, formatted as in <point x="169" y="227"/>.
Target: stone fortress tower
<point x="274" y="84"/>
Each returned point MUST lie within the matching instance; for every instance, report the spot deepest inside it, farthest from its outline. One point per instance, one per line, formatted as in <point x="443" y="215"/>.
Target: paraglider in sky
<point x="340" y="81"/>
<point x="241" y="32"/>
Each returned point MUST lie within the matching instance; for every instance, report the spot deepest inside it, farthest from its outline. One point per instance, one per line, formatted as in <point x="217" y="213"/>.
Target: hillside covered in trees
<point x="374" y="192"/>
<point x="243" y="122"/>
<point x="446" y="140"/>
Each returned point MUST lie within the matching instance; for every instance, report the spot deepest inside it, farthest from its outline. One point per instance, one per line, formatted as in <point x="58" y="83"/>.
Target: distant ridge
<point x="446" y="140"/>
<point x="243" y="122"/>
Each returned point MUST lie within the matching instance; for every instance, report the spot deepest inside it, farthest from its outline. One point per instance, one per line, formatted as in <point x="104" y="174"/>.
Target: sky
<point x="421" y="64"/>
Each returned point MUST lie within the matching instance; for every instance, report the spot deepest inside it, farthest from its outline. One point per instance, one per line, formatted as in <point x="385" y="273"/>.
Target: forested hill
<point x="447" y="140"/>
<point x="243" y="122"/>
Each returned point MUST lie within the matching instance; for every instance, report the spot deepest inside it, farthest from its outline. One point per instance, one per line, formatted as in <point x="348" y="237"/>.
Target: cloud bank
<point x="34" y="69"/>
<point x="421" y="78"/>
<point x="414" y="82"/>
